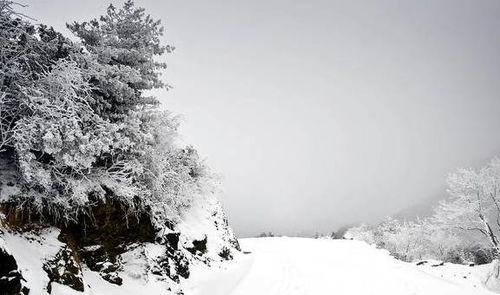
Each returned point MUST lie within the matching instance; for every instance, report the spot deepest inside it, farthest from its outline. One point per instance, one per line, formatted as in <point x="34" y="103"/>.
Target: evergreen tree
<point x="125" y="43"/>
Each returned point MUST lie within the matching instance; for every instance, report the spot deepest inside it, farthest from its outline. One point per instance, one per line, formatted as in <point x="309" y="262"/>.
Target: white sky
<point x="325" y="113"/>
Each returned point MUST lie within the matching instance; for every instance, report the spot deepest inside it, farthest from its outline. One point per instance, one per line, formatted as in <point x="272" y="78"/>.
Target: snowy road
<point x="298" y="266"/>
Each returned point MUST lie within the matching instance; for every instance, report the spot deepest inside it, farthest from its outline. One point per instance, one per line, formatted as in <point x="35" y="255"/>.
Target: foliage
<point x="123" y="43"/>
<point x="474" y="205"/>
<point x="26" y="53"/>
<point x="76" y="121"/>
<point x="464" y="228"/>
<point x="411" y="241"/>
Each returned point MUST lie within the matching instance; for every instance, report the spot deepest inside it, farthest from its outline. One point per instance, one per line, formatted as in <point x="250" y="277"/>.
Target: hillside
<point x="98" y="195"/>
<point x="44" y="261"/>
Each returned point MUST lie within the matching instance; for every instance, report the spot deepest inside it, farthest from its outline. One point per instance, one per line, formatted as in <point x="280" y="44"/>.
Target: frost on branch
<point x="85" y="152"/>
<point x="76" y="124"/>
<point x="464" y="228"/>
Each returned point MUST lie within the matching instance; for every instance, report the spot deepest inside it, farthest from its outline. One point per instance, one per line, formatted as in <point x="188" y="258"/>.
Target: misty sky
<point x="325" y="113"/>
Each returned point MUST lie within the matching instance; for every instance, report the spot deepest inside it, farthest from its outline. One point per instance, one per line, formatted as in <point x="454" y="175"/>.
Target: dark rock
<point x="64" y="269"/>
<point x="97" y="259"/>
<point x="199" y="246"/>
<point x="10" y="278"/>
<point x="113" y="278"/>
<point x="182" y="266"/>
<point x="422" y="262"/>
<point x="112" y="226"/>
<point x="172" y="240"/>
<point x="93" y="256"/>
<point x="173" y="265"/>
<point x="225" y="253"/>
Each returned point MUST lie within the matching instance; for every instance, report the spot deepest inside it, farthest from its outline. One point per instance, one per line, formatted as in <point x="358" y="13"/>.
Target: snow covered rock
<point x="114" y="256"/>
<point x="63" y="269"/>
<point x="11" y="281"/>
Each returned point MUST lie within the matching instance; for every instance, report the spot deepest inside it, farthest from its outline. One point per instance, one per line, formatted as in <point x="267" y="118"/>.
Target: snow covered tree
<point x="26" y="52"/>
<point x="474" y="210"/>
<point x="75" y="118"/>
<point x="125" y="43"/>
<point x="58" y="141"/>
<point x="474" y="205"/>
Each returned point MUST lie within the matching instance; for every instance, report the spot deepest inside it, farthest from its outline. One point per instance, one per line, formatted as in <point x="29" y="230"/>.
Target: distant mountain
<point x="422" y="209"/>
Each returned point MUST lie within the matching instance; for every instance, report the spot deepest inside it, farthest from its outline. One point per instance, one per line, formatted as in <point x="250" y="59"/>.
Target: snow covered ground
<point x="299" y="266"/>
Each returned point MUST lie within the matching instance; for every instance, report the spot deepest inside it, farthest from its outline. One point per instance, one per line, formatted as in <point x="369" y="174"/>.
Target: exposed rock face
<point x="10" y="278"/>
<point x="120" y="246"/>
<point x="65" y="270"/>
<point x="111" y="225"/>
<point x="199" y="246"/>
<point x="97" y="259"/>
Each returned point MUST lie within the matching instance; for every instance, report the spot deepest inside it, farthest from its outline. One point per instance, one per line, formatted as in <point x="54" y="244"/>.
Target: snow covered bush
<point x="362" y="232"/>
<point x="463" y="229"/>
<point x="59" y="138"/>
<point x="422" y="239"/>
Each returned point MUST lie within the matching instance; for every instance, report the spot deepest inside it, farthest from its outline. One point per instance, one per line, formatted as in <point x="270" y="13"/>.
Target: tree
<point x="125" y="43"/>
<point x="474" y="203"/>
<point x="474" y="209"/>
<point x="76" y="122"/>
<point x="26" y="52"/>
<point x="58" y="140"/>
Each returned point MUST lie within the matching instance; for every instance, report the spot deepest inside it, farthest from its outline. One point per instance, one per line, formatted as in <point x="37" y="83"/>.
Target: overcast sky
<point x="325" y="113"/>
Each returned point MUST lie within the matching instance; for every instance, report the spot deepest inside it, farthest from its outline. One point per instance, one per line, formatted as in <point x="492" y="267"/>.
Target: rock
<point x="113" y="278"/>
<point x="173" y="265"/>
<point x="199" y="246"/>
<point x="97" y="259"/>
<point x="109" y="271"/>
<point x="64" y="269"/>
<point x="172" y="240"/>
<point x="225" y="253"/>
<point x="93" y="256"/>
<point x="10" y="278"/>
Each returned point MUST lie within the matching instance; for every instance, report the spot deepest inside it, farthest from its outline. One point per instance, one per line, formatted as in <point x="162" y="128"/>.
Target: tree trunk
<point x="491" y="235"/>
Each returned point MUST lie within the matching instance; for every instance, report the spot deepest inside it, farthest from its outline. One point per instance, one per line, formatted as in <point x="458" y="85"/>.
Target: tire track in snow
<point x="299" y="266"/>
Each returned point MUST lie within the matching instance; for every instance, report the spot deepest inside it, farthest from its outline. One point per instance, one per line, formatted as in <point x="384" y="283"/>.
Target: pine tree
<point x="126" y="44"/>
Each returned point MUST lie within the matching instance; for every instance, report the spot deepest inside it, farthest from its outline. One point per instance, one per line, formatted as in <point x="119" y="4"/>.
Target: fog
<point x="324" y="113"/>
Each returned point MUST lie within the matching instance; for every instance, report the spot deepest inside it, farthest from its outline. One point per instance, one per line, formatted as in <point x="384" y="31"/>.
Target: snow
<point x="31" y="251"/>
<point x="219" y="279"/>
<point x="274" y="266"/>
<point x="299" y="266"/>
<point x="96" y="285"/>
<point x="205" y="219"/>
